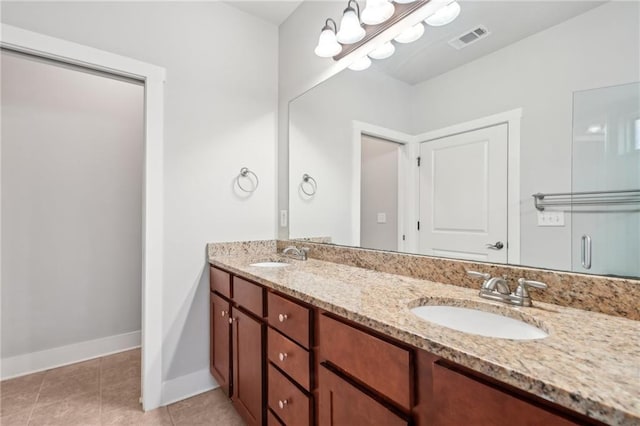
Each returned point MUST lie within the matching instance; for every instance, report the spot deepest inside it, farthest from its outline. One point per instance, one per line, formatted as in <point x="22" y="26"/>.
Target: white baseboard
<point x="187" y="386"/>
<point x="33" y="362"/>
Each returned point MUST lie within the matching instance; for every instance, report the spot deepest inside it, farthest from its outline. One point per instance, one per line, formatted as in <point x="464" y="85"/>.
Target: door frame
<point x="405" y="174"/>
<point x="512" y="119"/>
<point x="154" y="77"/>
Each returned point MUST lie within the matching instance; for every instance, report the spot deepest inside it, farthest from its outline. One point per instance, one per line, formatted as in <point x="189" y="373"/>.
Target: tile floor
<point x="102" y="391"/>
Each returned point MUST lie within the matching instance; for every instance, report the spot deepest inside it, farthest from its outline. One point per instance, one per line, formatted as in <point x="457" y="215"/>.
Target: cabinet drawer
<point x="483" y="403"/>
<point x="249" y="296"/>
<point x="272" y="420"/>
<point x="291" y="404"/>
<point x="220" y="281"/>
<point x="290" y="318"/>
<point x="341" y="403"/>
<point x="289" y="357"/>
<point x="380" y="365"/>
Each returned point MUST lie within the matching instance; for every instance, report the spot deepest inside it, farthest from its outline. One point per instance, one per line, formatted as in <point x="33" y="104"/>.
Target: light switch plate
<point x="283" y="218"/>
<point x="550" y="218"/>
<point x="382" y="218"/>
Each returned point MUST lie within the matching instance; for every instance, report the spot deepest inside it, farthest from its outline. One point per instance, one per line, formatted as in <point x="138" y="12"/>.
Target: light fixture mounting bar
<point x="402" y="10"/>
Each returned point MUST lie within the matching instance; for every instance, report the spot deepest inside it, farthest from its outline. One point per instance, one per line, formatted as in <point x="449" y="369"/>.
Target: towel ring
<point x="312" y="184"/>
<point x="246" y="173"/>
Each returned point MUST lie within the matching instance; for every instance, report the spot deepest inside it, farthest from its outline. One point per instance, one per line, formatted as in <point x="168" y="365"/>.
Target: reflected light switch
<point x="382" y="218"/>
<point x="551" y="218"/>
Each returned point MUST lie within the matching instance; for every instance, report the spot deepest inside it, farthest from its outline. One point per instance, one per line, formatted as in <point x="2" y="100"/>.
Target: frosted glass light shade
<point x="444" y="15"/>
<point x="360" y="64"/>
<point x="383" y="52"/>
<point x="377" y="11"/>
<point x="411" y="34"/>
<point x="350" y="29"/>
<point x="327" y="46"/>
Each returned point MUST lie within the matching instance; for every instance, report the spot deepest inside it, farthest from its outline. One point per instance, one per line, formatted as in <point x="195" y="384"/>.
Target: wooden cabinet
<point x="284" y="363"/>
<point x="220" y="341"/>
<point x="342" y="404"/>
<point x="247" y="364"/>
<point x="291" y="404"/>
<point x="383" y="366"/>
<point x="483" y="403"/>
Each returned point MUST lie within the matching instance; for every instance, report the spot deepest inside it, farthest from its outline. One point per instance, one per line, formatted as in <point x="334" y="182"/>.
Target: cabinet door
<point x="220" y="342"/>
<point x="248" y="367"/>
<point x="483" y="404"/>
<point x="342" y="404"/>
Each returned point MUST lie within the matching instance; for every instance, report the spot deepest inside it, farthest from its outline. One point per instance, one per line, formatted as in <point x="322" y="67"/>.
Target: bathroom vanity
<point x="315" y="342"/>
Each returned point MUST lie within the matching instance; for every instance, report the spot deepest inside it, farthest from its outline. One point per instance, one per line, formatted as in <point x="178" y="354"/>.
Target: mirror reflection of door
<point x="463" y="195"/>
<point x="379" y="193"/>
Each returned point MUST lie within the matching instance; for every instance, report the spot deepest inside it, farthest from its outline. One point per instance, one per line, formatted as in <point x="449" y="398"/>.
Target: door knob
<point x="497" y="246"/>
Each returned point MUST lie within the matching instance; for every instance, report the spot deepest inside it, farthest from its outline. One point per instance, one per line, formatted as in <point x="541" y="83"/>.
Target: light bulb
<point x="444" y="15"/>
<point x="383" y="52"/>
<point x="327" y="46"/>
<point x="360" y="64"/>
<point x="411" y="34"/>
<point x="377" y="11"/>
<point x="350" y="29"/>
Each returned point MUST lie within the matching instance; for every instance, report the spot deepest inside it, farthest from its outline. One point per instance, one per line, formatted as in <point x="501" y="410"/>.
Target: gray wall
<point x="72" y="156"/>
<point x="220" y="115"/>
<point x="539" y="74"/>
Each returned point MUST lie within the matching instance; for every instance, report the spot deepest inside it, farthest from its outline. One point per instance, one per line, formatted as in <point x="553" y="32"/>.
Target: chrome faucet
<point x="299" y="253"/>
<point x="497" y="288"/>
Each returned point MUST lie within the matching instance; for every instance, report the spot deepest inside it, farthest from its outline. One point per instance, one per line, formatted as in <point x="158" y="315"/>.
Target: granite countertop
<point x="589" y="363"/>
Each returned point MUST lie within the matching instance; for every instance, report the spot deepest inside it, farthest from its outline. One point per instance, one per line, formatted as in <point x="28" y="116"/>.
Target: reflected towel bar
<point x="588" y="198"/>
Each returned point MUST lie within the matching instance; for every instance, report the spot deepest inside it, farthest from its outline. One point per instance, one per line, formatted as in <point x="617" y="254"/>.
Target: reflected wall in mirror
<point x="492" y="122"/>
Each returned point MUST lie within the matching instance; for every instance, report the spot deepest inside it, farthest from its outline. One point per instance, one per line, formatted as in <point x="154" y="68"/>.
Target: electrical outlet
<point x="382" y="218"/>
<point x="550" y="218"/>
<point x="283" y="218"/>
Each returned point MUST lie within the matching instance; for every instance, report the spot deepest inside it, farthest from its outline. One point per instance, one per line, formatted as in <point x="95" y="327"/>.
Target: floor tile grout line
<point x="35" y="403"/>
<point x="100" y="390"/>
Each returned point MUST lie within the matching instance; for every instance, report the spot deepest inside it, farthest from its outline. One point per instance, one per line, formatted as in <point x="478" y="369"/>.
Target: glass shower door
<point x="606" y="159"/>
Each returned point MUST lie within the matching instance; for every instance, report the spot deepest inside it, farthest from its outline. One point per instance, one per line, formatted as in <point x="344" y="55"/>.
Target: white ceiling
<point x="275" y="12"/>
<point x="507" y="21"/>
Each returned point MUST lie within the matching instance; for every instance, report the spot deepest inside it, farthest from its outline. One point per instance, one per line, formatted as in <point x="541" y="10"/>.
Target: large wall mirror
<point x="439" y="149"/>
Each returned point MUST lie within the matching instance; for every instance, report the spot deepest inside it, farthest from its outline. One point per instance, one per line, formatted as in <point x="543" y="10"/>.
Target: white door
<point x="463" y="195"/>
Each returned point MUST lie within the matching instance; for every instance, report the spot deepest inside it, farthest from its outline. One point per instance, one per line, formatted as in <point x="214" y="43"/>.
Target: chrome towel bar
<point x="587" y="198"/>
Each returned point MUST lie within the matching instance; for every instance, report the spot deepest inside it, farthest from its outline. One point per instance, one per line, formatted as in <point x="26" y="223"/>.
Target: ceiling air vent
<point x="469" y="37"/>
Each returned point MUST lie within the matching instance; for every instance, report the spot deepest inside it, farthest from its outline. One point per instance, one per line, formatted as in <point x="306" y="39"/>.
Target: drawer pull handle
<point x="283" y="403"/>
<point x="282" y="356"/>
<point x="282" y="317"/>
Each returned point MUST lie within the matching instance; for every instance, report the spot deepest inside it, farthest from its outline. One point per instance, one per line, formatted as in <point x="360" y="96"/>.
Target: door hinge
<point x="418" y="225"/>
<point x="418" y="161"/>
<point x="404" y="238"/>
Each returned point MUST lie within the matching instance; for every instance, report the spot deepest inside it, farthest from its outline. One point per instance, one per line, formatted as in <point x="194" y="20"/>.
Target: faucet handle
<point x="481" y="275"/>
<point x="522" y="290"/>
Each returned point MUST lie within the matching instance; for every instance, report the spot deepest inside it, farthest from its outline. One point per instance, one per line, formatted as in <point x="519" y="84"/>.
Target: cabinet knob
<point x="223" y="313"/>
<point x="282" y="356"/>
<point x="282" y="403"/>
<point x="282" y="317"/>
<point x="231" y="320"/>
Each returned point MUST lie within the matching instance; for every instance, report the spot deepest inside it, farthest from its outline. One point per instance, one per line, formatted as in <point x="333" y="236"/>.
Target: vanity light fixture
<point x="445" y="15"/>
<point x="328" y="45"/>
<point x="360" y="64"/>
<point x="380" y="17"/>
<point x="411" y="34"/>
<point x="350" y="29"/>
<point x="377" y="11"/>
<point x="383" y="52"/>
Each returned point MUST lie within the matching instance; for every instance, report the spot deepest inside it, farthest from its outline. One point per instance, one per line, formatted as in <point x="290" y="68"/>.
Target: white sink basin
<point x="270" y="264"/>
<point x="478" y="322"/>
